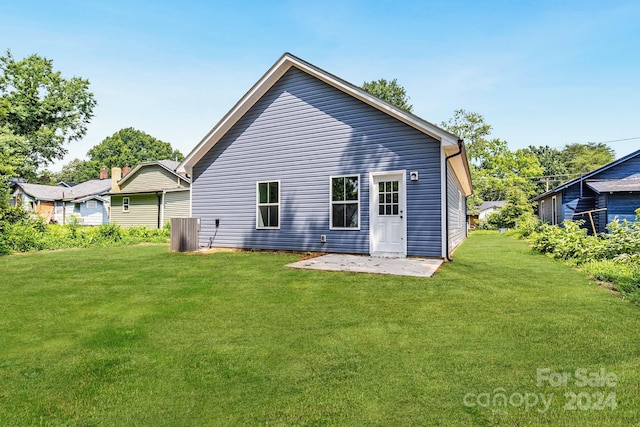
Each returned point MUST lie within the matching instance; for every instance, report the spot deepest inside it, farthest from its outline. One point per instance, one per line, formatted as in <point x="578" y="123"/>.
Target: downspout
<point x="159" y="196"/>
<point x="446" y="197"/>
<point x="162" y="209"/>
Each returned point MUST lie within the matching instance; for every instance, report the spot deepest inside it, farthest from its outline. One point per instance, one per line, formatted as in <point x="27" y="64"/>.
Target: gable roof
<point x="448" y="140"/>
<point x="92" y="197"/>
<point x="588" y="175"/>
<point x="169" y="165"/>
<point x="80" y="191"/>
<point x="42" y="192"/>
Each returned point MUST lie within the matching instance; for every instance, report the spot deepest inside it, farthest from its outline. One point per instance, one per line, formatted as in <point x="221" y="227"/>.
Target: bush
<point x="611" y="257"/>
<point x="517" y="210"/>
<point x="570" y="241"/>
<point x="109" y="232"/>
<point x="623" y="238"/>
<point x="19" y="232"/>
<point x="528" y="226"/>
<point x="13" y="214"/>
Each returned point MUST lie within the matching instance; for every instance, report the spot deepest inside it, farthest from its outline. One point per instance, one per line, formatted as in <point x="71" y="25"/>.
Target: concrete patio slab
<point x="417" y="267"/>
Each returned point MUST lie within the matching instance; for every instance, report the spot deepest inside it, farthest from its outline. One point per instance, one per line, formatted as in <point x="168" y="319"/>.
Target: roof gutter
<point x="446" y="197"/>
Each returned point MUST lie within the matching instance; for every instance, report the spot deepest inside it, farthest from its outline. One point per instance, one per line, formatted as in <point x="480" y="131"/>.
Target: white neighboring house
<point x="87" y="201"/>
<point x="487" y="208"/>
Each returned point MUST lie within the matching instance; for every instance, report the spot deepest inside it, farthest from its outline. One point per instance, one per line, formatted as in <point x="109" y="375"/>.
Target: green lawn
<point x="140" y="336"/>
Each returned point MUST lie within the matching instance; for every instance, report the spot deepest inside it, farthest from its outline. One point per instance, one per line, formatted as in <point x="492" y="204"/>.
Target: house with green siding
<point x="150" y="194"/>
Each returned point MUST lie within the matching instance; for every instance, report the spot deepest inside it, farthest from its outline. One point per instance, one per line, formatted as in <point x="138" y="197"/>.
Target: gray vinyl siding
<point x="152" y="177"/>
<point x="143" y="210"/>
<point x="176" y="205"/>
<point x="456" y="210"/>
<point x="301" y="132"/>
<point x="544" y="210"/>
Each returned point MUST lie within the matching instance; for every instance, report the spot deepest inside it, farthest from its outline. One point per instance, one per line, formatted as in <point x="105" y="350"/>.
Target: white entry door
<point x="387" y="214"/>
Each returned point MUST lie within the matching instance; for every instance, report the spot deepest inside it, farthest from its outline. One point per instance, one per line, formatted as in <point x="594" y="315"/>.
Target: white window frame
<point x="554" y="210"/>
<point x="258" y="204"/>
<point x="344" y="202"/>
<point x="92" y="204"/>
<point x="542" y="216"/>
<point x="125" y="205"/>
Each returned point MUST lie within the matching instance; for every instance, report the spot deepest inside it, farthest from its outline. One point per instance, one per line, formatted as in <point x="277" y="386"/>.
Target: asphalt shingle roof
<point x="82" y="190"/>
<point x="170" y="164"/>
<point x="631" y="184"/>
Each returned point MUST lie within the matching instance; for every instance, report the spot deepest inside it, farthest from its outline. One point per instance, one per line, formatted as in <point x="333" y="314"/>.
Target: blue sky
<point x="541" y="73"/>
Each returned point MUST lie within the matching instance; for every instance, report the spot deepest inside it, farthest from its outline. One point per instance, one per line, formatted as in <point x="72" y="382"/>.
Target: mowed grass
<point x="141" y="336"/>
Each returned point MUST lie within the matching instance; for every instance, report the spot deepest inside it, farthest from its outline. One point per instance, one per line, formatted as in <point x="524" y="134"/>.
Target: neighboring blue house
<point x="87" y="201"/>
<point x="607" y="192"/>
<point x="308" y="161"/>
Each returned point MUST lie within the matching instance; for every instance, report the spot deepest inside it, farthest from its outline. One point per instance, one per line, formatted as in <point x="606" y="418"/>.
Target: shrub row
<point x="19" y="232"/>
<point x="612" y="257"/>
<point x="571" y="241"/>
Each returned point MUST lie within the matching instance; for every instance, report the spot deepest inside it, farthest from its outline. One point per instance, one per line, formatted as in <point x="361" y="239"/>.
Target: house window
<point x="345" y="202"/>
<point x="542" y="215"/>
<point x="92" y="204"/>
<point x="554" y="211"/>
<point x="125" y="204"/>
<point x="268" y="204"/>
<point x="388" y="198"/>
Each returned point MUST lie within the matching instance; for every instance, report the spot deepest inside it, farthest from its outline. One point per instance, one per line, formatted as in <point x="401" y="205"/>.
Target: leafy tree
<point x="497" y="172"/>
<point x="502" y="170"/>
<point x="553" y="164"/>
<point x="389" y="91"/>
<point x="472" y="128"/>
<point x="130" y="147"/>
<point x="78" y="171"/>
<point x="568" y="163"/>
<point x="518" y="208"/>
<point x="42" y="109"/>
<point x="10" y="157"/>
<point x="583" y="158"/>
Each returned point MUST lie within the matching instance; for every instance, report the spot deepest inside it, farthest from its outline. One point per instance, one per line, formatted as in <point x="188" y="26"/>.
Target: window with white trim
<point x="268" y="204"/>
<point x="554" y="211"/>
<point x="345" y="202"/>
<point x="92" y="204"/>
<point x="125" y="204"/>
